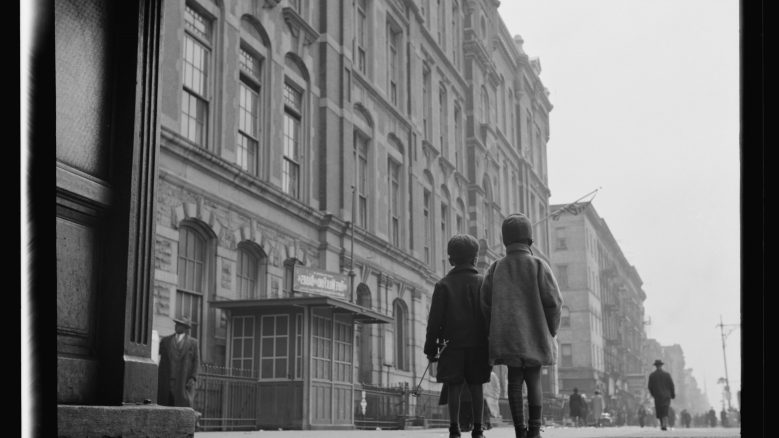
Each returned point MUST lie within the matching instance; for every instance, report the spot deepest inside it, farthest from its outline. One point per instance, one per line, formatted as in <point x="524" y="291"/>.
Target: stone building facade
<point x="603" y="316"/>
<point x="353" y="137"/>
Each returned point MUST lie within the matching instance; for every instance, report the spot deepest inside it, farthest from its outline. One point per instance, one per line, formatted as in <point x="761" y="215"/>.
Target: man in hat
<point x="179" y="366"/>
<point x="661" y="387"/>
<point x="576" y="407"/>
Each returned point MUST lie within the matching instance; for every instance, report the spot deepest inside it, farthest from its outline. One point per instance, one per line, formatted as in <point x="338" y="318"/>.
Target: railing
<point x="226" y="399"/>
<point x="384" y="407"/>
<point x="428" y="409"/>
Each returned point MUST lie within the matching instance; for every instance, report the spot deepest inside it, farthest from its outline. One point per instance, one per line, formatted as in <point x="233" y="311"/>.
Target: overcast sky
<point x="646" y="106"/>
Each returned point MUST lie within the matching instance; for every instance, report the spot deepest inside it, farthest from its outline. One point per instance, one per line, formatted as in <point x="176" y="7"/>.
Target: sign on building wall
<point x="314" y="281"/>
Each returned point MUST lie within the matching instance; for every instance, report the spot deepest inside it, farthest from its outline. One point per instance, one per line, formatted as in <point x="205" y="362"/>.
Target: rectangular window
<point x="460" y="224"/>
<point x="442" y="121"/>
<point x="455" y="33"/>
<point x="299" y="346"/>
<point x="321" y="348"/>
<point x="194" y="99"/>
<point x="248" y="113"/>
<point x="566" y="355"/>
<point x="458" y="140"/>
<point x="362" y="181"/>
<point x="393" y="36"/>
<point x="274" y="347"/>
<point x="441" y="26"/>
<point x="290" y="171"/>
<point x="246" y="275"/>
<point x="243" y="346"/>
<point x="394" y="202"/>
<point x="427" y="110"/>
<point x="362" y="41"/>
<point x="427" y="207"/>
<point x="342" y="354"/>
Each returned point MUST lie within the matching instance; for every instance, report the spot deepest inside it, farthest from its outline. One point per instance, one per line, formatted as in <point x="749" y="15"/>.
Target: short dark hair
<point x="462" y="248"/>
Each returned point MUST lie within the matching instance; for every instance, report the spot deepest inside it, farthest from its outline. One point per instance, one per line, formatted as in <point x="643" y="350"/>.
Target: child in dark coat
<point x="521" y="303"/>
<point x="455" y="317"/>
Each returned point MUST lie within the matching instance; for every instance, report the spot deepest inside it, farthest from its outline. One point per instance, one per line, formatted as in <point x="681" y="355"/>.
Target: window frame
<point x="293" y="113"/>
<point x="189" y="94"/>
<point x="275" y="358"/>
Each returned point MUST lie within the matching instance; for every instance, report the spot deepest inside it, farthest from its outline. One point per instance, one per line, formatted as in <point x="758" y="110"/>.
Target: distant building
<point x="603" y="319"/>
<point x="313" y="143"/>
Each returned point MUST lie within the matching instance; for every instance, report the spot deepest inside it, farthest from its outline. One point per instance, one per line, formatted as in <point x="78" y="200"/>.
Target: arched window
<point x="401" y="335"/>
<point x="192" y="272"/>
<point x="294" y="127"/>
<point x="365" y="338"/>
<point x="252" y="53"/>
<point x="251" y="272"/>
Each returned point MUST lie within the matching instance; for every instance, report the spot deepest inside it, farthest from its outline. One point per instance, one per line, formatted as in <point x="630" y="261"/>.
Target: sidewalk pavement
<point x="499" y="432"/>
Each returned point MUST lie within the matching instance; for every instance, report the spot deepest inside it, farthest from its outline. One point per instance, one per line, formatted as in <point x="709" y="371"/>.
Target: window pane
<point x="267" y="368"/>
<point x="267" y="347"/>
<point x="281" y="368"/>
<point x="281" y="346"/>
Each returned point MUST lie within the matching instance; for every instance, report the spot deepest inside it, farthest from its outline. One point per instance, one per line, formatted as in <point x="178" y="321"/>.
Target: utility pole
<point x="724" y="355"/>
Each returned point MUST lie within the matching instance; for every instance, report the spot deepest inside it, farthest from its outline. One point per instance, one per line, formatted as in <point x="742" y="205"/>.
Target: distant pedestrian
<point x="671" y="416"/>
<point x="712" y="417"/>
<point x="723" y="415"/>
<point x="576" y="407"/>
<point x="455" y="316"/>
<point x="686" y="418"/>
<point x="661" y="387"/>
<point x="597" y="407"/>
<point x="641" y="415"/>
<point x="179" y="367"/>
<point x="521" y="303"/>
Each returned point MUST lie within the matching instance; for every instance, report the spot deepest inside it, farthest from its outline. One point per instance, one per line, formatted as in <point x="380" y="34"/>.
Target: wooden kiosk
<point x="301" y="350"/>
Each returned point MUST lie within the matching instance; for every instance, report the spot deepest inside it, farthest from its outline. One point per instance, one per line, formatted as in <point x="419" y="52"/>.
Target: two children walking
<point x="507" y="317"/>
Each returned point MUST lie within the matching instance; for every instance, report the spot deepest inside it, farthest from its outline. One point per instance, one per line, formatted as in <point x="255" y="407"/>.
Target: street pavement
<point x="498" y="432"/>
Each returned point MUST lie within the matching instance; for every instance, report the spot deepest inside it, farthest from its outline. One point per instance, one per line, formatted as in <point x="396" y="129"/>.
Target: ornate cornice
<point x="446" y="167"/>
<point x="297" y="24"/>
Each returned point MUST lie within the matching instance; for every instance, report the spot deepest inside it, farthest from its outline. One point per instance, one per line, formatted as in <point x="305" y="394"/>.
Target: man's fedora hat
<point x="658" y="362"/>
<point x="183" y="321"/>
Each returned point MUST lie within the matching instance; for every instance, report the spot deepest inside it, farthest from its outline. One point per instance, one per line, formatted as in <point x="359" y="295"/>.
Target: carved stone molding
<point x="297" y="25"/>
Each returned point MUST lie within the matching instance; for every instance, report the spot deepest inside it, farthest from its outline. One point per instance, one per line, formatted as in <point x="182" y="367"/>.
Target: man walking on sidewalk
<point x="661" y="387"/>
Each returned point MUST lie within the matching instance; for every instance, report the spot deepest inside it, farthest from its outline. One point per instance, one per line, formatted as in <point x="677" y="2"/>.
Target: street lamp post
<point x="724" y="356"/>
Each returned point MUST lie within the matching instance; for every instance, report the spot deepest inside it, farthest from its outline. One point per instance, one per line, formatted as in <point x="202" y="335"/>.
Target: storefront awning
<point x="360" y="313"/>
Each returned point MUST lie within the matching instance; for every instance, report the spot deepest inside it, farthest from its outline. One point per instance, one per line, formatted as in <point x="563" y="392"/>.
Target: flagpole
<point x="566" y="206"/>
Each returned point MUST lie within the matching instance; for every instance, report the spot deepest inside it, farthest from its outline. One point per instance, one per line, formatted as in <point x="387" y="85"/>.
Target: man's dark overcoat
<point x="661" y="387"/>
<point x="521" y="303"/>
<point x="575" y="405"/>
<point x="179" y="362"/>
